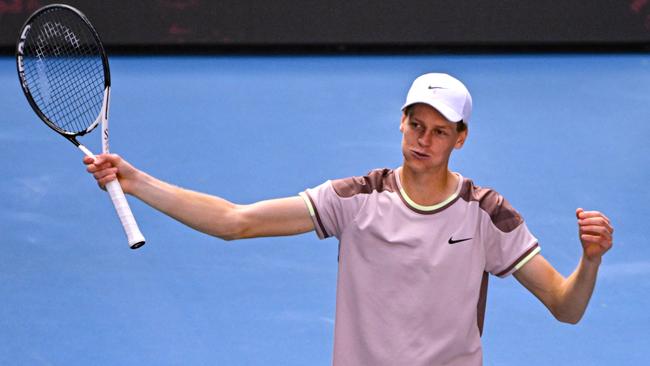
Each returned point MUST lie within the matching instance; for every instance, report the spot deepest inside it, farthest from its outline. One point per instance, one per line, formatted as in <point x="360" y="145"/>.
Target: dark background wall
<point x="277" y="25"/>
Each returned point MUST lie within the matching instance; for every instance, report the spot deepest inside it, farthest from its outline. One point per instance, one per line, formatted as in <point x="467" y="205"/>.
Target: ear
<point x="460" y="140"/>
<point x="403" y="122"/>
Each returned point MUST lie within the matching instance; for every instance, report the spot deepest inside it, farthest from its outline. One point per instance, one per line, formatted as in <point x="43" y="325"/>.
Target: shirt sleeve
<point x="509" y="243"/>
<point x="330" y="212"/>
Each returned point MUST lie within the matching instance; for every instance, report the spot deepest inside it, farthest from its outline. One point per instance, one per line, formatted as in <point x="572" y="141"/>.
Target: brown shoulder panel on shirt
<point x="502" y="214"/>
<point x="377" y="180"/>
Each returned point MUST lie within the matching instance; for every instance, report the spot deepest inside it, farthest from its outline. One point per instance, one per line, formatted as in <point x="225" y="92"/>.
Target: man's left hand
<point x="595" y="232"/>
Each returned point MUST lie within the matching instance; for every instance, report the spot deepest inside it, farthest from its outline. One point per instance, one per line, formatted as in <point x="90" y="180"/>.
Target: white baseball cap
<point x="444" y="93"/>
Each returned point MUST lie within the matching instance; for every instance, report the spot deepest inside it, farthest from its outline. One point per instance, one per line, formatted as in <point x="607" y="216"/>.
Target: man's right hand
<point x="107" y="167"/>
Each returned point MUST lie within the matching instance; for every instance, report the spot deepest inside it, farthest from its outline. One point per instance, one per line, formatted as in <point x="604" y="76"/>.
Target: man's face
<point x="428" y="139"/>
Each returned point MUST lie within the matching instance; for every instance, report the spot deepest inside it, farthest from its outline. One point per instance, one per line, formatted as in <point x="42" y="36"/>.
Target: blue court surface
<point x="551" y="133"/>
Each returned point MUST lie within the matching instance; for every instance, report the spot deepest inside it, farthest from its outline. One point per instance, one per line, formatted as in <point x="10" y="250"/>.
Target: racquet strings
<point x="64" y="72"/>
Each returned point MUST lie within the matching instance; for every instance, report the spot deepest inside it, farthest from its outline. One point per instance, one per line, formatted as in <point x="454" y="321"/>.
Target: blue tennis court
<point x="551" y="133"/>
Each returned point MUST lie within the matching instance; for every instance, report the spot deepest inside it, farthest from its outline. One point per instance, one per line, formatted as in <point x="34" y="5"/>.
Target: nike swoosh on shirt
<point x="452" y="241"/>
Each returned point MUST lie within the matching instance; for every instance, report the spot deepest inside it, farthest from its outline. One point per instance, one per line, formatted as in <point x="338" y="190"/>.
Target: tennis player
<point x="416" y="243"/>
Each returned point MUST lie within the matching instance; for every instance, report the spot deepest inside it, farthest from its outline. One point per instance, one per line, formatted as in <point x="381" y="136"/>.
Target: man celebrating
<point x="416" y="243"/>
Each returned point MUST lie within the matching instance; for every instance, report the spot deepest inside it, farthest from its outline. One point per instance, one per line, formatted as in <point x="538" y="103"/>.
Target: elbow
<point x="233" y="227"/>
<point x="569" y="320"/>
<point x="234" y="233"/>
<point x="566" y="317"/>
<point x="227" y="238"/>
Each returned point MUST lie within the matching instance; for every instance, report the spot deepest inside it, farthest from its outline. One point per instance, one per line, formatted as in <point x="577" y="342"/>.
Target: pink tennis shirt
<point x="412" y="280"/>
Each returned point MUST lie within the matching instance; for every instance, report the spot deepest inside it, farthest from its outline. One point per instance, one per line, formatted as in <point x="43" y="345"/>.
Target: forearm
<point x="209" y="214"/>
<point x="567" y="298"/>
<point x="576" y="291"/>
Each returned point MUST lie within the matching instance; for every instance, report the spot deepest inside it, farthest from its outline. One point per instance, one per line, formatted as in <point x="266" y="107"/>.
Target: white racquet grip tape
<point x="136" y="240"/>
<point x="133" y="234"/>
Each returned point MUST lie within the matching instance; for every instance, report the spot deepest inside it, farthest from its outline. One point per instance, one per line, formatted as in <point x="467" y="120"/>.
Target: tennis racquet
<point x="63" y="71"/>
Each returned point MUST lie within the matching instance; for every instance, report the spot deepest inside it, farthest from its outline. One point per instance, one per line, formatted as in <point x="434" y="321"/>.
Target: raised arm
<point x="209" y="214"/>
<point x="567" y="298"/>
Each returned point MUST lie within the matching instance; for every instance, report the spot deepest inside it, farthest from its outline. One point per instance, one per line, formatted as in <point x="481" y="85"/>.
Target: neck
<point x="428" y="188"/>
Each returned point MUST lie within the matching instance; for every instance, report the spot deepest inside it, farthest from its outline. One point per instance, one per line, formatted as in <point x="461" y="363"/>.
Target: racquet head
<point x="63" y="70"/>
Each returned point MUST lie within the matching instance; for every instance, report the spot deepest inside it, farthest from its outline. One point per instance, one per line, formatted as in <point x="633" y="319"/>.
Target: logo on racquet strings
<point x="62" y="36"/>
<point x="58" y="35"/>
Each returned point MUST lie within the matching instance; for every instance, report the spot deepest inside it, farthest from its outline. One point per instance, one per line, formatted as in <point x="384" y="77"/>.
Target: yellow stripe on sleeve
<point x="527" y="258"/>
<point x="308" y="203"/>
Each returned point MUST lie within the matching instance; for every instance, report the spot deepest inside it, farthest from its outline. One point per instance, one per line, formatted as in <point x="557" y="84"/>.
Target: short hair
<point x="460" y="125"/>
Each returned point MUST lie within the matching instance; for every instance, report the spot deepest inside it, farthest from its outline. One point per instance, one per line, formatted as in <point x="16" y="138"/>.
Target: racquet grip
<point x="135" y="238"/>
